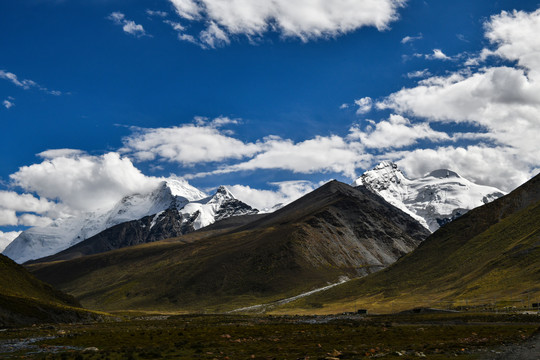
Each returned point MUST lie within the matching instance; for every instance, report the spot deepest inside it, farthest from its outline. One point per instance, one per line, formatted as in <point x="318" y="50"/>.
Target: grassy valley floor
<point x="405" y="336"/>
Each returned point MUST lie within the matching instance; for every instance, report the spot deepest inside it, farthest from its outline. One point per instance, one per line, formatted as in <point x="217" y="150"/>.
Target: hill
<point x="26" y="300"/>
<point x="490" y="254"/>
<point x="332" y="232"/>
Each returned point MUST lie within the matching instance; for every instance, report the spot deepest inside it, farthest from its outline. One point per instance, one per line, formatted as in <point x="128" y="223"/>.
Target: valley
<point x="198" y="336"/>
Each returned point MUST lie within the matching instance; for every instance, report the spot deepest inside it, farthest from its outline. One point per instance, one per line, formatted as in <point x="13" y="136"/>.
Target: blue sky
<point x="270" y="99"/>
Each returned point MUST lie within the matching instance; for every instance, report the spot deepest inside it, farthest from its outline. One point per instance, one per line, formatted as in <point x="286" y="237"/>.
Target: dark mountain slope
<point x="26" y="300"/>
<point x="168" y="224"/>
<point x="492" y="252"/>
<point x="334" y="231"/>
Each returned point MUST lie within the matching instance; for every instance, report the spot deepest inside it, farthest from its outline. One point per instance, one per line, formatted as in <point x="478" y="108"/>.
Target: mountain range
<point x="371" y="252"/>
<point x="333" y="232"/>
<point x="175" y="208"/>
<point x="191" y="208"/>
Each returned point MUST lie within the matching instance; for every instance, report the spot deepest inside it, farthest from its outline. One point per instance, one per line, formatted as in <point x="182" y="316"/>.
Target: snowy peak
<point x="219" y="206"/>
<point x="381" y="177"/>
<point x="181" y="188"/>
<point x="434" y="199"/>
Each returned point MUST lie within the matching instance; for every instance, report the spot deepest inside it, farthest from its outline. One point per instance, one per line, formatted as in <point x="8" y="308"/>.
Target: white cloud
<point x="25" y="202"/>
<point x="83" y="182"/>
<point x="8" y="217"/>
<point x="217" y="122"/>
<point x="25" y="84"/>
<point x="54" y="153"/>
<point x="305" y="20"/>
<point x="396" y="132"/>
<point x="287" y="192"/>
<point x="418" y="74"/>
<point x="8" y="104"/>
<point x="320" y="154"/>
<point x="438" y="55"/>
<point x="175" y="25"/>
<point x="34" y="220"/>
<point x="26" y="209"/>
<point x="408" y="39"/>
<point x="364" y="105"/>
<point x="496" y="166"/>
<point x="187" y="145"/>
<point x="214" y="37"/>
<point x="129" y="26"/>
<point x="156" y="13"/>
<point x="180" y="29"/>
<point x="503" y="101"/>
<point x="134" y="29"/>
<point x="7" y="237"/>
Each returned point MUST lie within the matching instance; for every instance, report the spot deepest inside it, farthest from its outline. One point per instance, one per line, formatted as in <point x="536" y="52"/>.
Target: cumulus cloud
<point x="83" y="182"/>
<point x="396" y="132"/>
<point x="320" y="154"/>
<point x="364" y="105"/>
<point x="26" y="210"/>
<point x="503" y="101"/>
<point x="25" y="84"/>
<point x="304" y="20"/>
<point x="8" y="217"/>
<point x="129" y="26"/>
<point x="187" y="144"/>
<point x="265" y="200"/>
<point x="7" y="237"/>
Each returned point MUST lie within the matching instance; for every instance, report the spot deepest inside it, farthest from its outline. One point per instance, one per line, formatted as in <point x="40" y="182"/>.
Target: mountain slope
<point x="434" y="199"/>
<point x="492" y="252"/>
<point x="197" y="210"/>
<point x="332" y="232"/>
<point x="164" y="225"/>
<point x="26" y="300"/>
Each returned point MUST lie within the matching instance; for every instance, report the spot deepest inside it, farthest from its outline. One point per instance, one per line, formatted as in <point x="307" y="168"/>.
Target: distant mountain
<point x="434" y="199"/>
<point x="196" y="209"/>
<point x="492" y="252"/>
<point x="166" y="224"/>
<point x="335" y="231"/>
<point x="26" y="300"/>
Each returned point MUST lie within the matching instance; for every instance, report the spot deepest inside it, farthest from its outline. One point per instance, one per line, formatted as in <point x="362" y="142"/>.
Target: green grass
<point x="244" y="337"/>
<point x="27" y="300"/>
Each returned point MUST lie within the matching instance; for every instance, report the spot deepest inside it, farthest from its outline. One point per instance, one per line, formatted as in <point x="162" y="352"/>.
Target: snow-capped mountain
<point x="434" y="199"/>
<point x="194" y="205"/>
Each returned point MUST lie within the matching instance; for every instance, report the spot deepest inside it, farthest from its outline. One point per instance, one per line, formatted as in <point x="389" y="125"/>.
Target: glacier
<point x="434" y="199"/>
